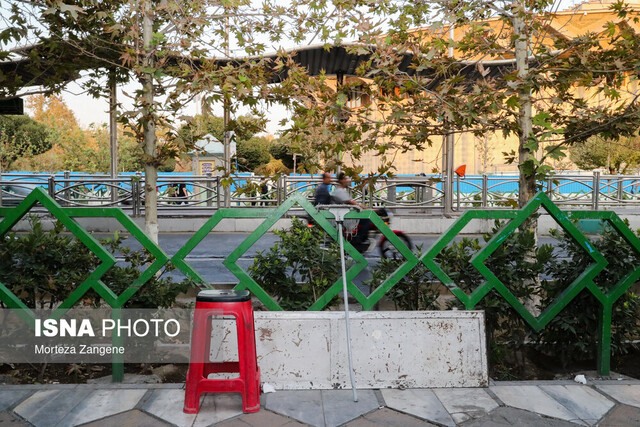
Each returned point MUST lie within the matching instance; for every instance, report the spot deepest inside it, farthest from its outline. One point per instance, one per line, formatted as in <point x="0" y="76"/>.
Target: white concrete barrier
<point x="414" y="349"/>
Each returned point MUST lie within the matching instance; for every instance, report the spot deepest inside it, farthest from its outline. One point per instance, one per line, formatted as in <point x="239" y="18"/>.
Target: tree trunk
<point x="149" y="129"/>
<point x="527" y="179"/>
<point x="527" y="175"/>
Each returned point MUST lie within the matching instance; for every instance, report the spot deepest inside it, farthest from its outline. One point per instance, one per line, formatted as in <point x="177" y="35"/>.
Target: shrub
<point x="536" y="276"/>
<point x="518" y="264"/>
<point x="574" y="333"/>
<point x="417" y="290"/>
<point x="43" y="268"/>
<point x="299" y="268"/>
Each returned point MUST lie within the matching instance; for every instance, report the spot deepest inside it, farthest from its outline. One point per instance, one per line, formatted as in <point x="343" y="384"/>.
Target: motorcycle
<point x="386" y="249"/>
<point x="352" y="227"/>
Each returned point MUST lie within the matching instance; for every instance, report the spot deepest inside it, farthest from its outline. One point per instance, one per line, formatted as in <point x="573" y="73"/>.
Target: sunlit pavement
<point x="523" y="403"/>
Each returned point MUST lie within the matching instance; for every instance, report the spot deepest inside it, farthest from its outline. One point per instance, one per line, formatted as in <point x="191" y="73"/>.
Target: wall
<point x="307" y="350"/>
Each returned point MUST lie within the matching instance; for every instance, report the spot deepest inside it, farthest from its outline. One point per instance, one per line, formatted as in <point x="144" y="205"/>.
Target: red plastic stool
<point x="222" y="303"/>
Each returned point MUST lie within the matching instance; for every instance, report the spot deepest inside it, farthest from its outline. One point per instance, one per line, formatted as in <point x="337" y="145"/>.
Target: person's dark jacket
<point x="322" y="195"/>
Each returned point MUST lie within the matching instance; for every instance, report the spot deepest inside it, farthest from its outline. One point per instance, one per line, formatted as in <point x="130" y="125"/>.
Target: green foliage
<point x="281" y="151"/>
<point x="513" y="264"/>
<point x="308" y="152"/>
<point x="622" y="156"/>
<point x="243" y="127"/>
<point x="21" y="136"/>
<point x="417" y="290"/>
<point x="42" y="268"/>
<point x="252" y="153"/>
<point x="299" y="268"/>
<point x="536" y="276"/>
<point x="573" y="334"/>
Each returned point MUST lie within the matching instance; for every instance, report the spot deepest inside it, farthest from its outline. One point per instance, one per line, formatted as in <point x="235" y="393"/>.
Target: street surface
<point x="207" y="257"/>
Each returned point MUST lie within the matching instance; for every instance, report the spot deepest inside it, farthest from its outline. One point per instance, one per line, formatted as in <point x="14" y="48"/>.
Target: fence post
<point x="115" y="189"/>
<point x="133" y="195"/>
<point x="207" y="184"/>
<point x="280" y="189"/>
<point x="596" y="191"/>
<point x="550" y="188"/>
<point x="620" y="188"/>
<point x="137" y="207"/>
<point x="485" y="190"/>
<point x="391" y="194"/>
<point x="51" y="186"/>
<point x="218" y="200"/>
<point x="604" y="342"/>
<point x="458" y="192"/>
<point x="371" y="190"/>
<point x="67" y="193"/>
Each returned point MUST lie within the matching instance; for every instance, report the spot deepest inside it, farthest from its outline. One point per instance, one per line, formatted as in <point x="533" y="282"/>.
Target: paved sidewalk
<point x="524" y="403"/>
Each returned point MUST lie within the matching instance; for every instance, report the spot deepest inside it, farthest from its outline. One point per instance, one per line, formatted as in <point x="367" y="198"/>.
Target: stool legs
<point x="195" y="373"/>
<point x="248" y="382"/>
<point x="249" y="366"/>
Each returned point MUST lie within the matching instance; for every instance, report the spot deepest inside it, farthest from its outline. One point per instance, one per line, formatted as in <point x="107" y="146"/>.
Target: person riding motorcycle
<point x="322" y="195"/>
<point x="341" y="196"/>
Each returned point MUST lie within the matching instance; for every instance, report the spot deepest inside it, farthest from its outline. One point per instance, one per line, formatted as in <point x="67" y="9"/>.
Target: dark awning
<point x="32" y="66"/>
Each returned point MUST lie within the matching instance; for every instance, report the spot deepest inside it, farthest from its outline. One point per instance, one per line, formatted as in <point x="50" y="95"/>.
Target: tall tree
<point x="620" y="156"/>
<point x="508" y="70"/>
<point x="165" y="46"/>
<point x="251" y="151"/>
<point x="21" y="136"/>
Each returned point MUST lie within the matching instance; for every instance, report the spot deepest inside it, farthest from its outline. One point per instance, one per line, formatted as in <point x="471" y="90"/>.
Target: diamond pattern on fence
<point x="586" y="280"/>
<point x="271" y="217"/>
<point x="581" y="282"/>
<point x="12" y="216"/>
<point x="428" y="259"/>
<point x="160" y="258"/>
<point x="609" y="298"/>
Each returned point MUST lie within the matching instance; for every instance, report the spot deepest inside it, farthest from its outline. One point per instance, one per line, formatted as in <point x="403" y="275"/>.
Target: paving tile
<point x="101" y="404"/>
<point x="585" y="402"/>
<point x="532" y="398"/>
<point x="167" y="405"/>
<point x="7" y="419"/>
<point x="622" y="415"/>
<point x="465" y="403"/>
<point x="11" y="397"/>
<point x="339" y="407"/>
<point x="263" y="418"/>
<point x="509" y="417"/>
<point x="218" y="407"/>
<point x="48" y="407"/>
<point x="623" y="393"/>
<point x="302" y="405"/>
<point x="388" y="418"/>
<point x="133" y="418"/>
<point x="421" y="403"/>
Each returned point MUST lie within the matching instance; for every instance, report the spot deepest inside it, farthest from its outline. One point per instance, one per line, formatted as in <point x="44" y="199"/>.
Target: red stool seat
<point x="223" y="303"/>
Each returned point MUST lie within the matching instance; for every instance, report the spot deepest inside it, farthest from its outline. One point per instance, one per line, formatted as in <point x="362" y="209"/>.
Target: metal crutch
<point x="339" y="211"/>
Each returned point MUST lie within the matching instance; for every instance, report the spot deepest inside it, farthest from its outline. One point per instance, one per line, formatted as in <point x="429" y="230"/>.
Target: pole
<point x="447" y="151"/>
<point x="448" y="206"/>
<point x="113" y="125"/>
<point x="113" y="134"/>
<point x="226" y="118"/>
<point x="339" y="117"/>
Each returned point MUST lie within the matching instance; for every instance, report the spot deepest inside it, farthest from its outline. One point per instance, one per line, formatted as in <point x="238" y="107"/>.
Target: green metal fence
<point x="270" y="215"/>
